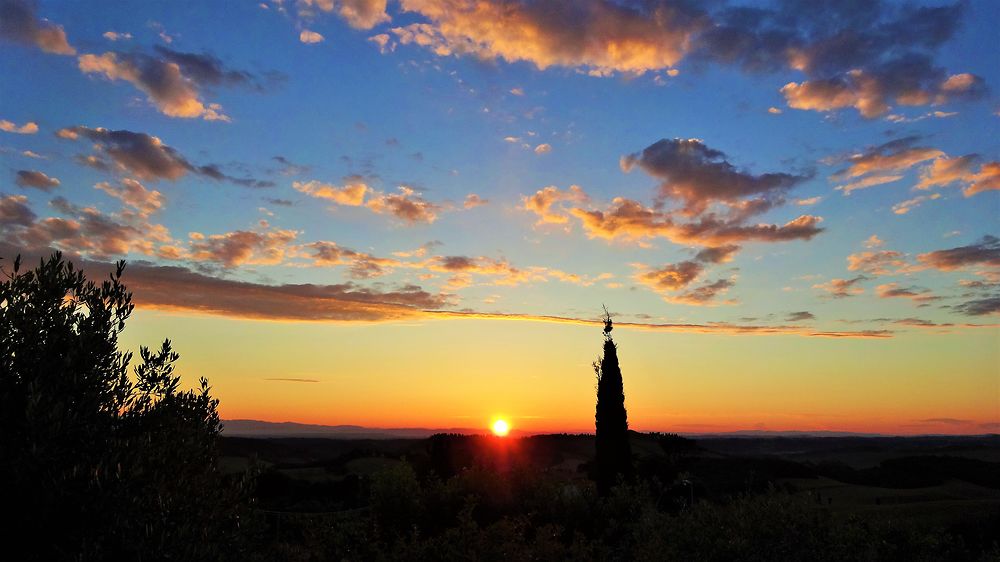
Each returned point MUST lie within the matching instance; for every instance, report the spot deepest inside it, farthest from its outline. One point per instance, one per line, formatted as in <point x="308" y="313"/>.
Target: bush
<point x="102" y="464"/>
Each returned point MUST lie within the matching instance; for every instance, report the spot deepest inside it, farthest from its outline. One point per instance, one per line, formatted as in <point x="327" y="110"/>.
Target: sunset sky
<point x="409" y="214"/>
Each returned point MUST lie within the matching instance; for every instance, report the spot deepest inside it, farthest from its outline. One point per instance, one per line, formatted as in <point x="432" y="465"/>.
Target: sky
<point x="410" y="213"/>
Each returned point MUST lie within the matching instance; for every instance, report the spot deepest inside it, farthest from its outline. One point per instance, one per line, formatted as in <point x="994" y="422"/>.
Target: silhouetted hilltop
<point x="256" y="428"/>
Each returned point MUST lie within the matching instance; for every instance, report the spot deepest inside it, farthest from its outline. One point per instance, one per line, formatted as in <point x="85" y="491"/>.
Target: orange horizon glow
<point x="464" y="374"/>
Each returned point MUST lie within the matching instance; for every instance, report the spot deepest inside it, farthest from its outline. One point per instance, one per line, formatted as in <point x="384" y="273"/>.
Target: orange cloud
<point x="28" y="128"/>
<point x="904" y="207"/>
<point x="472" y="201"/>
<point x="882" y="262"/>
<point x="406" y="205"/>
<point x="135" y="195"/>
<point x="599" y="35"/>
<point x="986" y="252"/>
<point x="698" y="175"/>
<point x="264" y="247"/>
<point x="310" y="37"/>
<point x="174" y="94"/>
<point x="961" y="169"/>
<point x="841" y="288"/>
<point x="893" y="156"/>
<point x="630" y="220"/>
<point x="359" y="14"/>
<point x="20" y="24"/>
<point x="542" y="201"/>
<point x="36" y="179"/>
<point x="352" y="194"/>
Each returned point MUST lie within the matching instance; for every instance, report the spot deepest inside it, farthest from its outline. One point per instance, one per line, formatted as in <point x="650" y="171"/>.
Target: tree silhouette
<point x="613" y="452"/>
<point x="105" y="465"/>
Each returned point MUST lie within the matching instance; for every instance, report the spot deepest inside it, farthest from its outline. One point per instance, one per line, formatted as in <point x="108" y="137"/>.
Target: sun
<point x="501" y="428"/>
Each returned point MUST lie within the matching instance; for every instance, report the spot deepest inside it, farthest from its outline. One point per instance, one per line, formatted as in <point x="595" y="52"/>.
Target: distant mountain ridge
<point x="257" y="428"/>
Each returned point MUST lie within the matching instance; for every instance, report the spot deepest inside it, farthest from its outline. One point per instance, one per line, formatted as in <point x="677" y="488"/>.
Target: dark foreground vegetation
<point x="456" y="497"/>
<point x="100" y="463"/>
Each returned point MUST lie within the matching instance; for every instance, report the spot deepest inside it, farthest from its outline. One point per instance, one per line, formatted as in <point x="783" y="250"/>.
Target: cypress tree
<point x="614" y="454"/>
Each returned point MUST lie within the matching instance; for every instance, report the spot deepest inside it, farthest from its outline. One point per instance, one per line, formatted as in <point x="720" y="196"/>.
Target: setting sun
<point x="501" y="428"/>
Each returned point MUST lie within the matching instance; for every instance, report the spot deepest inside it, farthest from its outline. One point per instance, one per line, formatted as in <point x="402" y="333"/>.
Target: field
<point x="930" y="482"/>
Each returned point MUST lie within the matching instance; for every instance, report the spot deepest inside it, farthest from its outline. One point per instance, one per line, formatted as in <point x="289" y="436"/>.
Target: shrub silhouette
<point x="613" y="452"/>
<point x="104" y="465"/>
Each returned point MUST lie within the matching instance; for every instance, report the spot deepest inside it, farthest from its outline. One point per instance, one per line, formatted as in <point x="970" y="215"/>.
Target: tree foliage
<point x="103" y="463"/>
<point x="613" y="453"/>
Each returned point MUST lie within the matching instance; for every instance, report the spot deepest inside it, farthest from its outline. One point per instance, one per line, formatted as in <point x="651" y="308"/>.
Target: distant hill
<point x="256" y="428"/>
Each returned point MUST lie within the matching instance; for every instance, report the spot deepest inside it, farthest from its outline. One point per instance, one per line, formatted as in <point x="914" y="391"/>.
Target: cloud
<point x="173" y="93"/>
<point x="880" y="262"/>
<point x="630" y="220"/>
<point x="310" y="37"/>
<point x="865" y="183"/>
<point x="28" y="128"/>
<point x="979" y="307"/>
<point x="723" y="328"/>
<point x="985" y="252"/>
<point x="874" y="241"/>
<point x="81" y="230"/>
<point x="543" y="148"/>
<point x="133" y="194"/>
<point x="671" y="277"/>
<point x="841" y="288"/>
<point x="904" y="207"/>
<point x="352" y="194"/>
<point x="384" y="42"/>
<point x="359" y="14"/>
<point x="961" y="169"/>
<point x="362" y="265"/>
<point x="472" y="201"/>
<point x="698" y="175"/>
<point x="406" y="205"/>
<point x="116" y="36"/>
<point x="142" y="155"/>
<point x="909" y="81"/>
<point x="146" y="157"/>
<point x="893" y="156"/>
<point x="261" y="247"/>
<point x="20" y="24"/>
<point x="14" y="211"/>
<point x="289" y="168"/>
<point x="503" y="272"/>
<point x="173" y="80"/>
<point x="598" y="35"/>
<point x="945" y="421"/>
<point x="705" y="294"/>
<point x="862" y="55"/>
<point x="894" y="290"/>
<point x="179" y="289"/>
<point x="720" y="254"/>
<point x="542" y="201"/>
<point x="800" y="316"/>
<point x="808" y="201"/>
<point x="36" y="179"/>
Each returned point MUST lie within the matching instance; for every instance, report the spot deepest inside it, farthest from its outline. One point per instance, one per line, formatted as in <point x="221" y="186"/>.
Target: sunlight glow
<point x="501" y="428"/>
